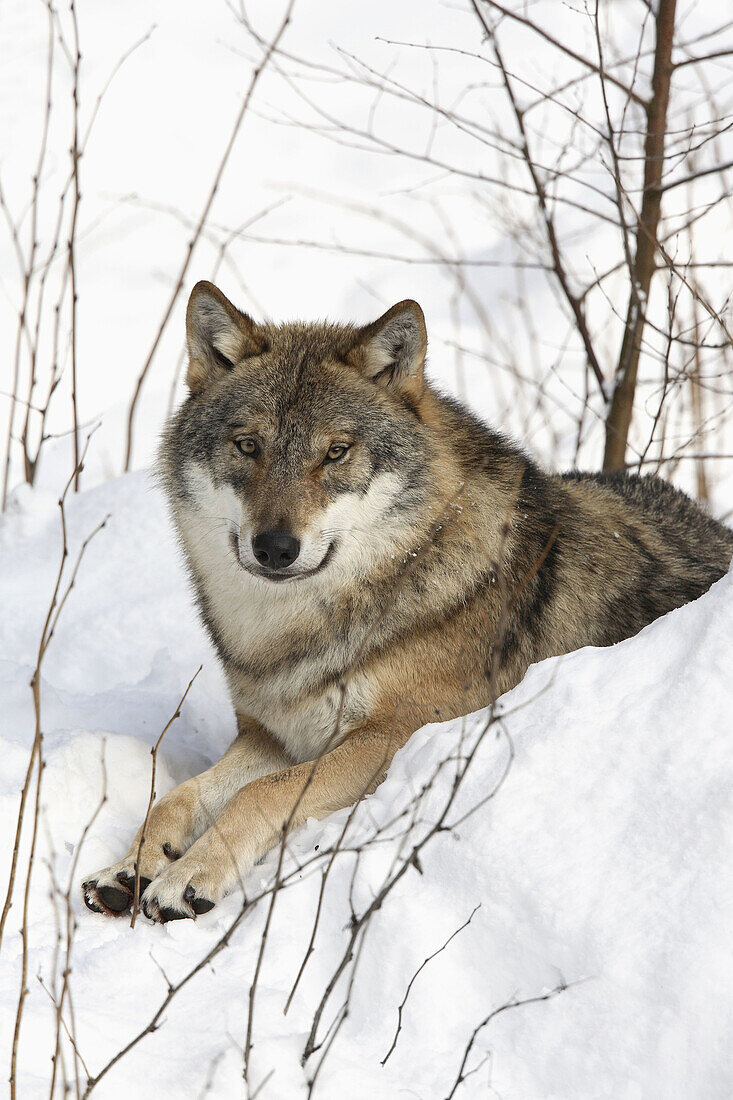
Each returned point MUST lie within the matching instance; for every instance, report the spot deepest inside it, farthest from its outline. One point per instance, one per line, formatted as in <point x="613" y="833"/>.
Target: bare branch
<point x="622" y="400"/>
<point x="410" y="984"/>
<point x="151" y="799"/>
<point x="254" y="80"/>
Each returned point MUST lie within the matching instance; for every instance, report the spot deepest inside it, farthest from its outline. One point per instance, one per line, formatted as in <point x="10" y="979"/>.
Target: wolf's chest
<point x="306" y="720"/>
<point x="283" y="665"/>
<point x="276" y="677"/>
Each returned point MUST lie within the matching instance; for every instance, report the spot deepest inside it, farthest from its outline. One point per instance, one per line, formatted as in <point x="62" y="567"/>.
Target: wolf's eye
<point x="247" y="446"/>
<point x="336" y="451"/>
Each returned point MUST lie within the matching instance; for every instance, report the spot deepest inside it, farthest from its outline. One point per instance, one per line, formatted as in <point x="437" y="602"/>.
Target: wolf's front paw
<point x="185" y="889"/>
<point x="111" y="890"/>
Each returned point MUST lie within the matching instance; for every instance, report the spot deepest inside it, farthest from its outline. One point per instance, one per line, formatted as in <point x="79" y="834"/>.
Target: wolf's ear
<point x="391" y="351"/>
<point x="218" y="335"/>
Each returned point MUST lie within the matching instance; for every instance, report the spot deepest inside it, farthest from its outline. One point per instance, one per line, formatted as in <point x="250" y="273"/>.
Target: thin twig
<point x="462" y="1075"/>
<point x="151" y="799"/>
<point x="36" y="762"/>
<point x="410" y="984"/>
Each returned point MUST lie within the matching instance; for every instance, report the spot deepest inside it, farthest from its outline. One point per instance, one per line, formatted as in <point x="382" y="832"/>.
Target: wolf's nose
<point x="275" y="549"/>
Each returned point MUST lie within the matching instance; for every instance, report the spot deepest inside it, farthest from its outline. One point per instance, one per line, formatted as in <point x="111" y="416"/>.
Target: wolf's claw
<point x="171" y="914"/>
<point x="199" y="905"/>
<point x="128" y="881"/>
<point x="89" y="900"/>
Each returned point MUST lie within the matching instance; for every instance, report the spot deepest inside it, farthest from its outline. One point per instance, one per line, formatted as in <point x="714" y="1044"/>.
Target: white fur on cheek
<point x="211" y="499"/>
<point x="244" y="607"/>
<point x="356" y="520"/>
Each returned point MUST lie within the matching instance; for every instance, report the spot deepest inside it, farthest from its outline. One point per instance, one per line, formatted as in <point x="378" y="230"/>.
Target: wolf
<point x="367" y="557"/>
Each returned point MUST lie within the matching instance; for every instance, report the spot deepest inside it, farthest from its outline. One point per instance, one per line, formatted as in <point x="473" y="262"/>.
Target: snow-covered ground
<point x="602" y="861"/>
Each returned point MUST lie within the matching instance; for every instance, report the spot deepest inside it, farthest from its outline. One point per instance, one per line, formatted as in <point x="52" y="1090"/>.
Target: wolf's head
<point x="301" y="444"/>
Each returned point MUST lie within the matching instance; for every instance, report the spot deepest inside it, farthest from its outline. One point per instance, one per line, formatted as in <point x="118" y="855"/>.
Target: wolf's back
<point x="693" y="550"/>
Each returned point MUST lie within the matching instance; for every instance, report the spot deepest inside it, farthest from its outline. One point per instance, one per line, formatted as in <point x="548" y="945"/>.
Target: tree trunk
<point x="618" y="420"/>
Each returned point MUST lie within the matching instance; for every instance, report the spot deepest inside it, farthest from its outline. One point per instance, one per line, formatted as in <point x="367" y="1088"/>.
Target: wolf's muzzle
<point x="280" y="572"/>
<point x="275" y="549"/>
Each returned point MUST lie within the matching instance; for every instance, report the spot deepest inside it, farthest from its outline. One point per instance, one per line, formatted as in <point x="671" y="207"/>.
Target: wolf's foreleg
<point x="183" y="815"/>
<point x="253" y="820"/>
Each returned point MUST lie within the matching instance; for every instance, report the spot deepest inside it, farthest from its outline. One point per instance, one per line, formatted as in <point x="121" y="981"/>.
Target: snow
<point x="602" y="861"/>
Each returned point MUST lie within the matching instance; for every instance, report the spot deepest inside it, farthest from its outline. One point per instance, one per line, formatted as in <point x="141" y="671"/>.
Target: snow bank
<point x="602" y="862"/>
